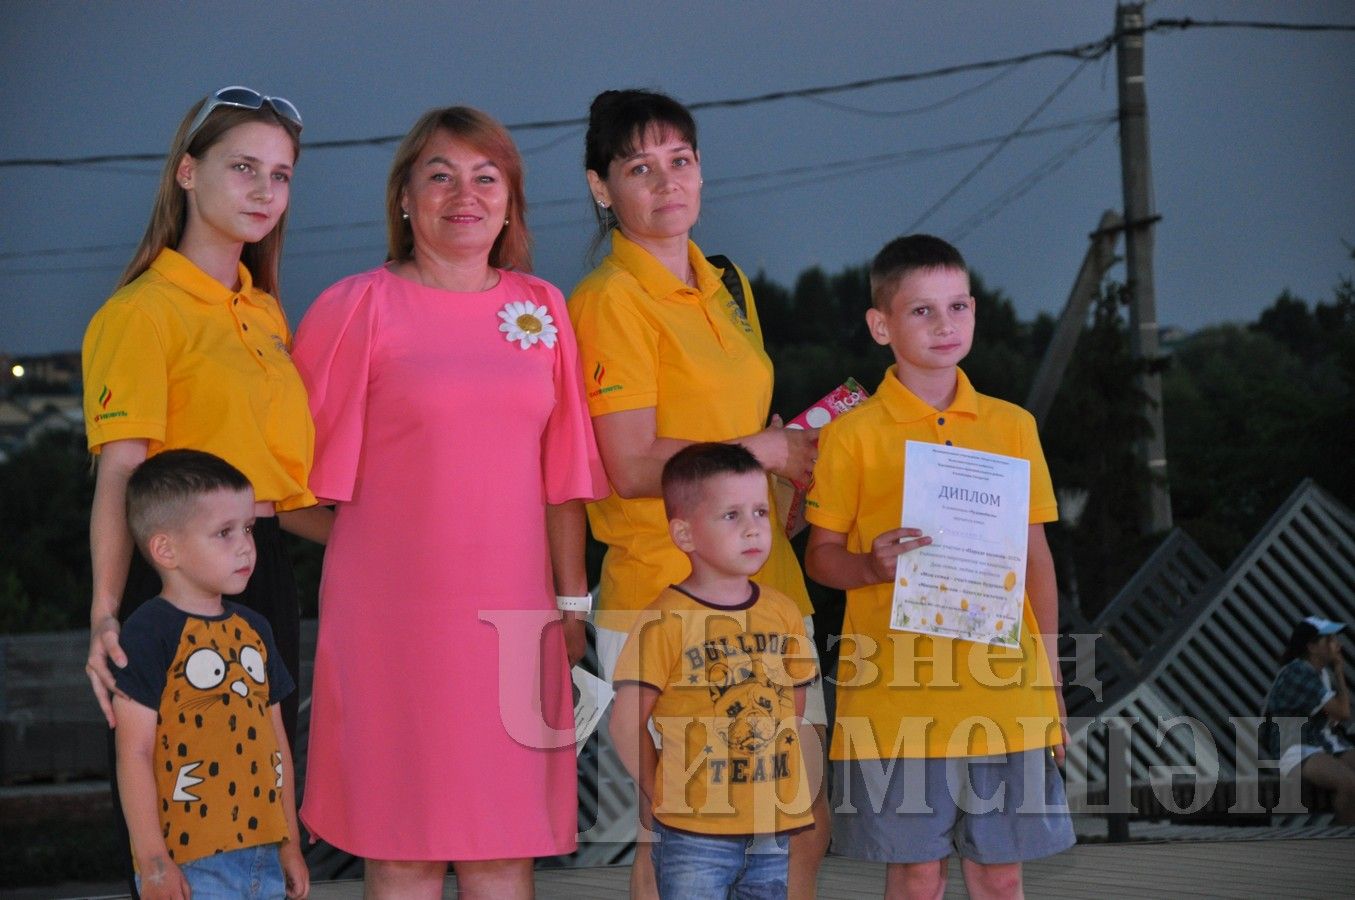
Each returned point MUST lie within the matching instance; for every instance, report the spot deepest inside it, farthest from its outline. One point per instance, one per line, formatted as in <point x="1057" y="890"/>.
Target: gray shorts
<point x="989" y="809"/>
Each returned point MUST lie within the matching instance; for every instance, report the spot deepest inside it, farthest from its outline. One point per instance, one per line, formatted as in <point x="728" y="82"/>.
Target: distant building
<point x="38" y="394"/>
<point x="48" y="373"/>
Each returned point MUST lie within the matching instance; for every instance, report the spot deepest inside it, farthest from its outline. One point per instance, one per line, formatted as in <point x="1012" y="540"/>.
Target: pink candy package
<point x="790" y="495"/>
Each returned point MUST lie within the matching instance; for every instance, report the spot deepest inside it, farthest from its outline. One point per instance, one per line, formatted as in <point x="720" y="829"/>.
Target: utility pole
<point x="1139" y="216"/>
<point x="1100" y="257"/>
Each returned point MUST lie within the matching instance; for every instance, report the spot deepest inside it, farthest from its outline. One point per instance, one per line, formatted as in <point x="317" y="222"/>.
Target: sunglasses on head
<point x="244" y="98"/>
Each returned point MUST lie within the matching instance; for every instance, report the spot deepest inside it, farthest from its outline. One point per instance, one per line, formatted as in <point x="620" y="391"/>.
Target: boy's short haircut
<point x="162" y="490"/>
<point x="905" y="255"/>
<point x="691" y="467"/>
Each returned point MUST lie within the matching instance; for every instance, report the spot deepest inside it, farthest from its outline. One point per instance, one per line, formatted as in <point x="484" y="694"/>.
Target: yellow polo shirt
<point x="181" y="361"/>
<point x="646" y="339"/>
<point x="901" y="694"/>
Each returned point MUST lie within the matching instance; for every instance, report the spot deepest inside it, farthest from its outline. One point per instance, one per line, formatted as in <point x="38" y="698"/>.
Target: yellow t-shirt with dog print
<point x="731" y="761"/>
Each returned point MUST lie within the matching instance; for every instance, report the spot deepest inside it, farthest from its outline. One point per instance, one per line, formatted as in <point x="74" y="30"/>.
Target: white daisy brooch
<point x="527" y="323"/>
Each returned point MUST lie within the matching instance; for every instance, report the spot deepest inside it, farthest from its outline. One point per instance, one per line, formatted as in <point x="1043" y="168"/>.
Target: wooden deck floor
<point x="1266" y="867"/>
<point x="1244" y="869"/>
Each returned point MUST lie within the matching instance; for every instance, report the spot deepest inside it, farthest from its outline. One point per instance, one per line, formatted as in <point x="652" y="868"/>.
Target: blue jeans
<point x="253" y="873"/>
<point x="708" y="867"/>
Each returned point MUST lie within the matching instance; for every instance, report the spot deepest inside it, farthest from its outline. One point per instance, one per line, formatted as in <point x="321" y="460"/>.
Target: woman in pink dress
<point x="453" y="436"/>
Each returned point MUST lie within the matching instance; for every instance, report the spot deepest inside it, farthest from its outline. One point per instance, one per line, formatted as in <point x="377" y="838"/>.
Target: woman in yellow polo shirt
<point x="670" y="358"/>
<point x="192" y="352"/>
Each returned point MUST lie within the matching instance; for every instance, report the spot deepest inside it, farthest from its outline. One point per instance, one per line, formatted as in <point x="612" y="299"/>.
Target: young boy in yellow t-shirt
<point x="721" y="665"/>
<point x="939" y="744"/>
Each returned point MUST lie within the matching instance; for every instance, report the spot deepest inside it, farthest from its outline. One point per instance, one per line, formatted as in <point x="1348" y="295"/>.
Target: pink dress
<point x="441" y="724"/>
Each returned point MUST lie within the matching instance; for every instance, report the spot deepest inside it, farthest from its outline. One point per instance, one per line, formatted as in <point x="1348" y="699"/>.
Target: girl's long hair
<point x="169" y="214"/>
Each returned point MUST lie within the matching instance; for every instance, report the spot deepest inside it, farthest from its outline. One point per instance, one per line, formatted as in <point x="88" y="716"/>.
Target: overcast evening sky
<point x="1250" y="134"/>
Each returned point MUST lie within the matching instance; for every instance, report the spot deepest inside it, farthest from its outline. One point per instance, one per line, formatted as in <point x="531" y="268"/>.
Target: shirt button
<point x="948" y="443"/>
<point x="244" y="326"/>
<point x="236" y="301"/>
<point x="260" y="352"/>
<point x="941" y="421"/>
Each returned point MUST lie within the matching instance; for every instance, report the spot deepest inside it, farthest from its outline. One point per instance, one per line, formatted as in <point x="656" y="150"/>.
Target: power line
<point x="1028" y="182"/>
<point x="832" y="169"/>
<point x="1090" y="50"/>
<point x="553" y="142"/>
<point x="1183" y="24"/>
<point x="1085" y="51"/>
<point x="927" y="213"/>
<point x="812" y="172"/>
<point x="66" y="270"/>
<point x="126" y="246"/>
<point x="915" y="110"/>
<point x="379" y="244"/>
<point x="65" y="251"/>
<point x="337" y="226"/>
<point x="821" y="172"/>
<point x="882" y="161"/>
<point x="874" y="160"/>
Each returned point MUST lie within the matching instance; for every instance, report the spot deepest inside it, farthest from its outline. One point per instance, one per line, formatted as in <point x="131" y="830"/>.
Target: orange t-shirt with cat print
<point x="218" y="766"/>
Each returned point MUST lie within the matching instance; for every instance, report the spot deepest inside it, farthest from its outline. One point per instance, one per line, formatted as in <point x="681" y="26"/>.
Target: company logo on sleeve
<point x="599" y="374"/>
<point x="105" y="398"/>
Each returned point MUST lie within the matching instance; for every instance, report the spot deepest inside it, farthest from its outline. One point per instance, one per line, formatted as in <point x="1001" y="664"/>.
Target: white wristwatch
<point x="582" y="604"/>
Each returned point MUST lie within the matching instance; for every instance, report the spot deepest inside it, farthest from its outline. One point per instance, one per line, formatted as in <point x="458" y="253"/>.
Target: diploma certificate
<point x="969" y="582"/>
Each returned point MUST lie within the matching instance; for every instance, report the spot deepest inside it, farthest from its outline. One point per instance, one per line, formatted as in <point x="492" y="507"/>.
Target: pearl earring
<point x="602" y="204"/>
<point x="404" y="215"/>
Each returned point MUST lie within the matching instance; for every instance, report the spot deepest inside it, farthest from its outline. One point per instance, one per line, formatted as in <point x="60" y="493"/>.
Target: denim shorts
<point x="254" y="873"/>
<point x="989" y="809"/>
<point x="691" y="866"/>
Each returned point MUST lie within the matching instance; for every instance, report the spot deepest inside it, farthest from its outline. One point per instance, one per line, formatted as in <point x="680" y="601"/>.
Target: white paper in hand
<point x="970" y="582"/>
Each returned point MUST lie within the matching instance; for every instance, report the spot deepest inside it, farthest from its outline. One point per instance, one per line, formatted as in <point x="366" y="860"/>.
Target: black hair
<point x="161" y="491"/>
<point x="904" y="255"/>
<point x="617" y="123"/>
<point x="618" y="120"/>
<point x="1300" y="638"/>
<point x="690" y="468"/>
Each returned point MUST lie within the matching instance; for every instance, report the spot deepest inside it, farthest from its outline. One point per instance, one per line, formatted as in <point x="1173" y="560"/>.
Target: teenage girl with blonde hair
<point x="192" y="351"/>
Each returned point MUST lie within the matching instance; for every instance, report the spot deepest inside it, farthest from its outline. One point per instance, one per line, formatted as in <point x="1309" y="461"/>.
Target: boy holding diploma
<point x="938" y="743"/>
